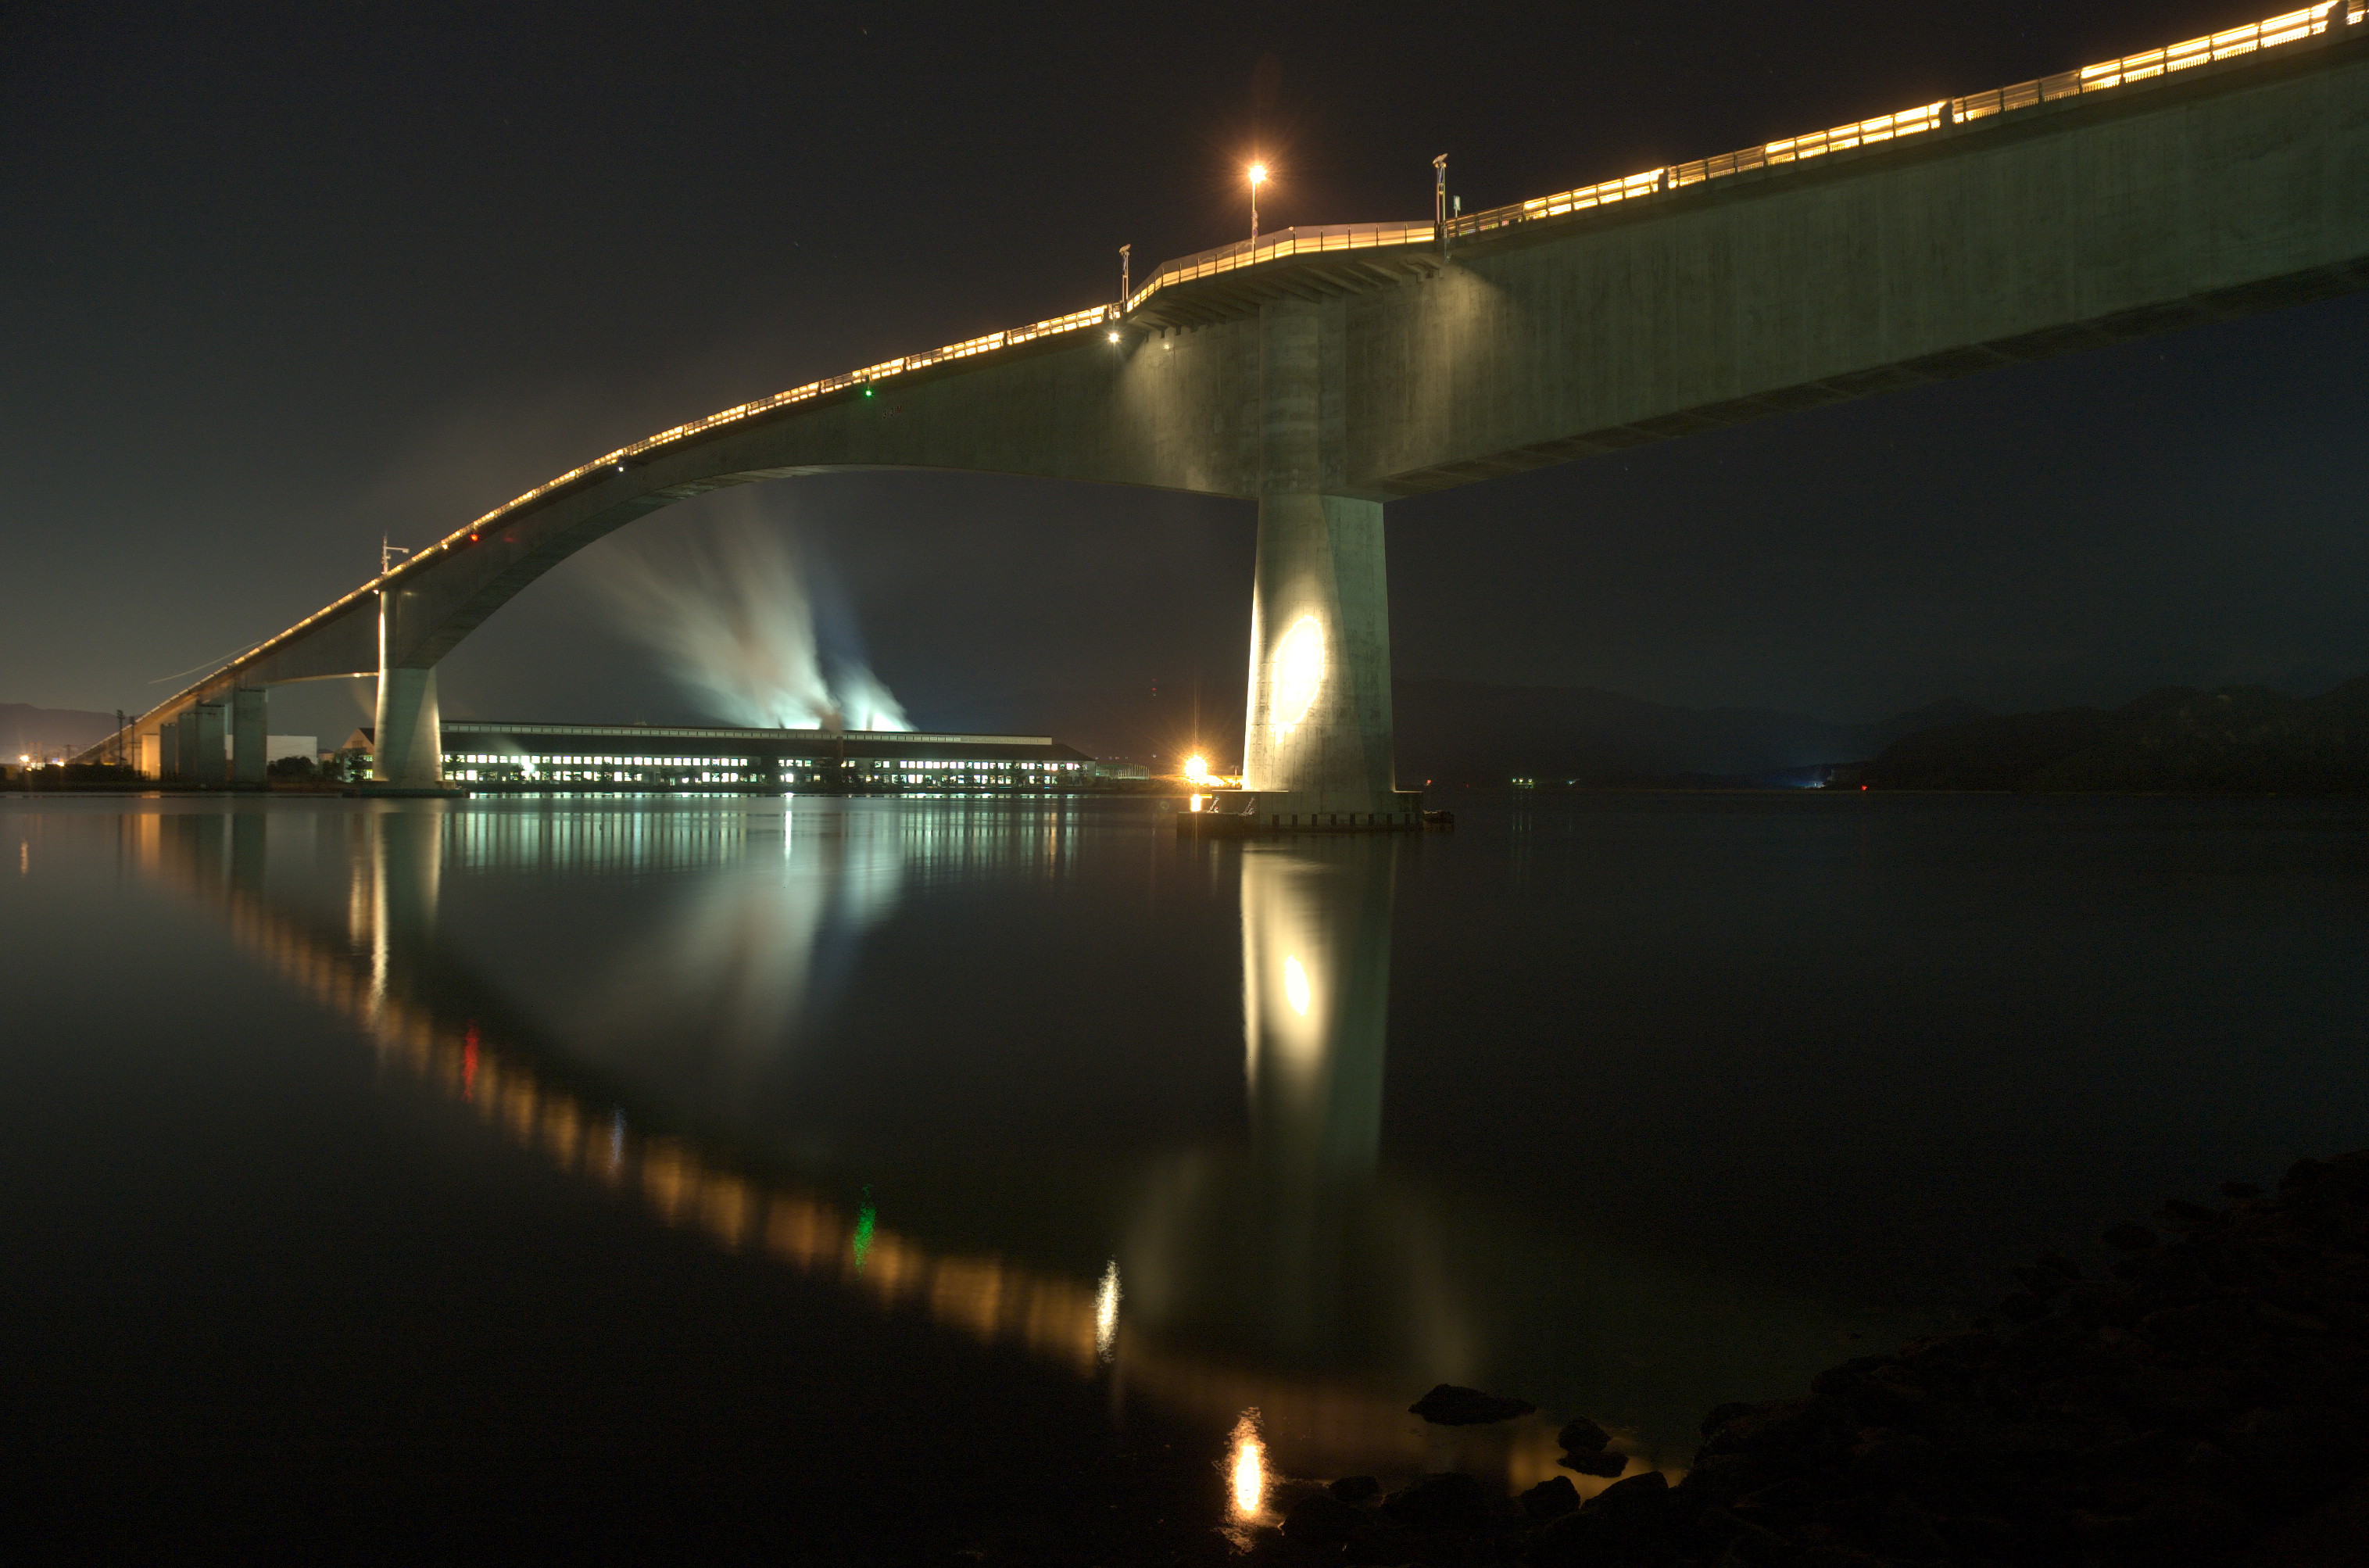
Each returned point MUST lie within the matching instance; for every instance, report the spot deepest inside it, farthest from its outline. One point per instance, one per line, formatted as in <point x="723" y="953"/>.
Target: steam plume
<point x="727" y="603"/>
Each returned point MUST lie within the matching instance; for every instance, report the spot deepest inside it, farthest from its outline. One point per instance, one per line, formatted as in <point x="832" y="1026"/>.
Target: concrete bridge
<point x="1323" y="372"/>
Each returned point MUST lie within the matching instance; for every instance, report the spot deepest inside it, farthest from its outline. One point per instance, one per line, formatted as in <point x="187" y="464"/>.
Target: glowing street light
<point x="1258" y="177"/>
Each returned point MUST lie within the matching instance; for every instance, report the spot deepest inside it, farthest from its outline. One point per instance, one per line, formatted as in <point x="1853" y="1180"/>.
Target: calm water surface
<point x="878" y="1181"/>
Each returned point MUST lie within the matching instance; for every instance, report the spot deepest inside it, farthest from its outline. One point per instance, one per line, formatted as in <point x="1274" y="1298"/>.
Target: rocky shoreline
<point x="2209" y="1390"/>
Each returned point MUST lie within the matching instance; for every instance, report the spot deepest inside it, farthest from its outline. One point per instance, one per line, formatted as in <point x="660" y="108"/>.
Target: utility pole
<point x="1125" y="286"/>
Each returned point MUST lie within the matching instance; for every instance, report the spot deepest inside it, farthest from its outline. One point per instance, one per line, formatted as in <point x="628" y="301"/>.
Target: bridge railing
<point x="2292" y="26"/>
<point x="1052" y="327"/>
<point x="1611" y="190"/>
<point x="1304" y="241"/>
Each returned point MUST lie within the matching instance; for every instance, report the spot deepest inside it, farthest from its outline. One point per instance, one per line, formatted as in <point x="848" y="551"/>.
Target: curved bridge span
<point x="1324" y="371"/>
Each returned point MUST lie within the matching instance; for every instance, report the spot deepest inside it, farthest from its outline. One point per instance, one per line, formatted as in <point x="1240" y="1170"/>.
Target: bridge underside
<point x="1322" y="386"/>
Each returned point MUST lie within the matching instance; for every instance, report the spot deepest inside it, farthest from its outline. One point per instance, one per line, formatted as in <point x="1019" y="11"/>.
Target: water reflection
<point x="1246" y="1472"/>
<point x="1290" y="1286"/>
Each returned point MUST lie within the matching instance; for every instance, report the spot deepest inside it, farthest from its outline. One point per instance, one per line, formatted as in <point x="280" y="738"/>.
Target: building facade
<point x="489" y="756"/>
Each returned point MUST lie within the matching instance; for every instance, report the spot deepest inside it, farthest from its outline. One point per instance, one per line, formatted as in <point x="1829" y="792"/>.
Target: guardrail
<point x="1052" y="327"/>
<point x="1611" y="190"/>
<point x="1276" y="247"/>
<point x="2292" y="26"/>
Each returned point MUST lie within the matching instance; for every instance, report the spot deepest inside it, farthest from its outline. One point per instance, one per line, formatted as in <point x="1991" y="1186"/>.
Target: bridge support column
<point x="1316" y="751"/>
<point x="409" y="747"/>
<point x="250" y="728"/>
<point x="199" y="748"/>
<point x="167" y="740"/>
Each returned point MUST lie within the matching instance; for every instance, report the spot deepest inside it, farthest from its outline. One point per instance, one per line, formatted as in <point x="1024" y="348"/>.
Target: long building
<point x="491" y="755"/>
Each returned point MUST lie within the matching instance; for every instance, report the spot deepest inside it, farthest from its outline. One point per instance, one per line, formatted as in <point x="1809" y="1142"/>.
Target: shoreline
<point x="2206" y="1401"/>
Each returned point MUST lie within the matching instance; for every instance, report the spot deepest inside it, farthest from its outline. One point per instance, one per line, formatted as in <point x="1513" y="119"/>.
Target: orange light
<point x="1258" y="174"/>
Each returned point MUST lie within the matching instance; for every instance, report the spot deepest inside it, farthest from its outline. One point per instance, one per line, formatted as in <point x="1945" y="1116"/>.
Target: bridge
<point x="1323" y="372"/>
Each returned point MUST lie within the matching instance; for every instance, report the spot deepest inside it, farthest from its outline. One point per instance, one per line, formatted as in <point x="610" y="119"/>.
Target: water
<point x="876" y="1181"/>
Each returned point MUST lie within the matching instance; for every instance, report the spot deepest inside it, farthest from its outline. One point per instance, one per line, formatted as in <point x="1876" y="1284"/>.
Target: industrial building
<point x="490" y="755"/>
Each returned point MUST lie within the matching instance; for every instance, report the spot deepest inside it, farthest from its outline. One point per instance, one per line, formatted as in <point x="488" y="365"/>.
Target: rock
<point x="1583" y="1437"/>
<point x="1355" y="1488"/>
<point x="2041" y="1284"/>
<point x="1735" y="1409"/>
<point x="1319" y="1520"/>
<point x="1448" y="1405"/>
<point x="1448" y="1500"/>
<point x="1728" y="1475"/>
<point x="2022" y="1308"/>
<point x="1551" y="1499"/>
<point x="1379" y="1541"/>
<point x="1634" y="1500"/>
<point x="2101" y="1304"/>
<point x="2201" y="1326"/>
<point x="2217" y="1382"/>
<point x="1881" y="1452"/>
<point x="2290" y="1322"/>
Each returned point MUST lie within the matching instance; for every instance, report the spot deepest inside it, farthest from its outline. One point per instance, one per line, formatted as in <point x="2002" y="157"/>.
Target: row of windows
<point x="518" y="760"/>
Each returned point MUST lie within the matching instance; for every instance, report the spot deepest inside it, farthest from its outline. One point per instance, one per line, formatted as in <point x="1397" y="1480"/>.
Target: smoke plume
<point x="727" y="597"/>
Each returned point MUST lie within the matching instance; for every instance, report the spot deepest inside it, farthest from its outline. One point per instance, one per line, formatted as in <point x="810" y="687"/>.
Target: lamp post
<point x="1258" y="177"/>
<point x="1439" y="201"/>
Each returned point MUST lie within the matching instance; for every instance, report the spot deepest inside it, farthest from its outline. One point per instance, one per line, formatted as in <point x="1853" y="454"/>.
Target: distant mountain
<point x="2235" y="739"/>
<point x="28" y="731"/>
<point x="1466" y="732"/>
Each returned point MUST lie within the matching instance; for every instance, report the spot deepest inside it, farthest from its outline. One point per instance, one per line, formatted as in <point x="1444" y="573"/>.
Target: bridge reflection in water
<point x="1297" y="1278"/>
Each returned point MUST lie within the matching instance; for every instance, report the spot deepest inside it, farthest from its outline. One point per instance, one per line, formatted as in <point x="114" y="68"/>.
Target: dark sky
<point x="278" y="280"/>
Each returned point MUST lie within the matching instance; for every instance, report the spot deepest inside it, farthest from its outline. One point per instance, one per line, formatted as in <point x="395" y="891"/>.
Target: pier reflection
<point x="1289" y="1285"/>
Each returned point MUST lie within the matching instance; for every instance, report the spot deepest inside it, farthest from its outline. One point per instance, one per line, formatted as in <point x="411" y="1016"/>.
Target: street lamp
<point x="1258" y="177"/>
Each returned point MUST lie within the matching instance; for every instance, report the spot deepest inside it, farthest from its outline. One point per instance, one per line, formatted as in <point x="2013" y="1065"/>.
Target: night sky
<point x="279" y="279"/>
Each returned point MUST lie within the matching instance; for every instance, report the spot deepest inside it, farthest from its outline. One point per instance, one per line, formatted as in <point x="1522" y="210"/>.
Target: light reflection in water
<point x="1295" y="1277"/>
<point x="1246" y="1471"/>
<point x="866" y="1221"/>
<point x="1106" y="1314"/>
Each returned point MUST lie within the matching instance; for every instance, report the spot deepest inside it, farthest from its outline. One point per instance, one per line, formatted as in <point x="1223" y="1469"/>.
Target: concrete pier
<point x="408" y="751"/>
<point x="1317" y="743"/>
<point x="201" y="760"/>
<point x="250" y="736"/>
